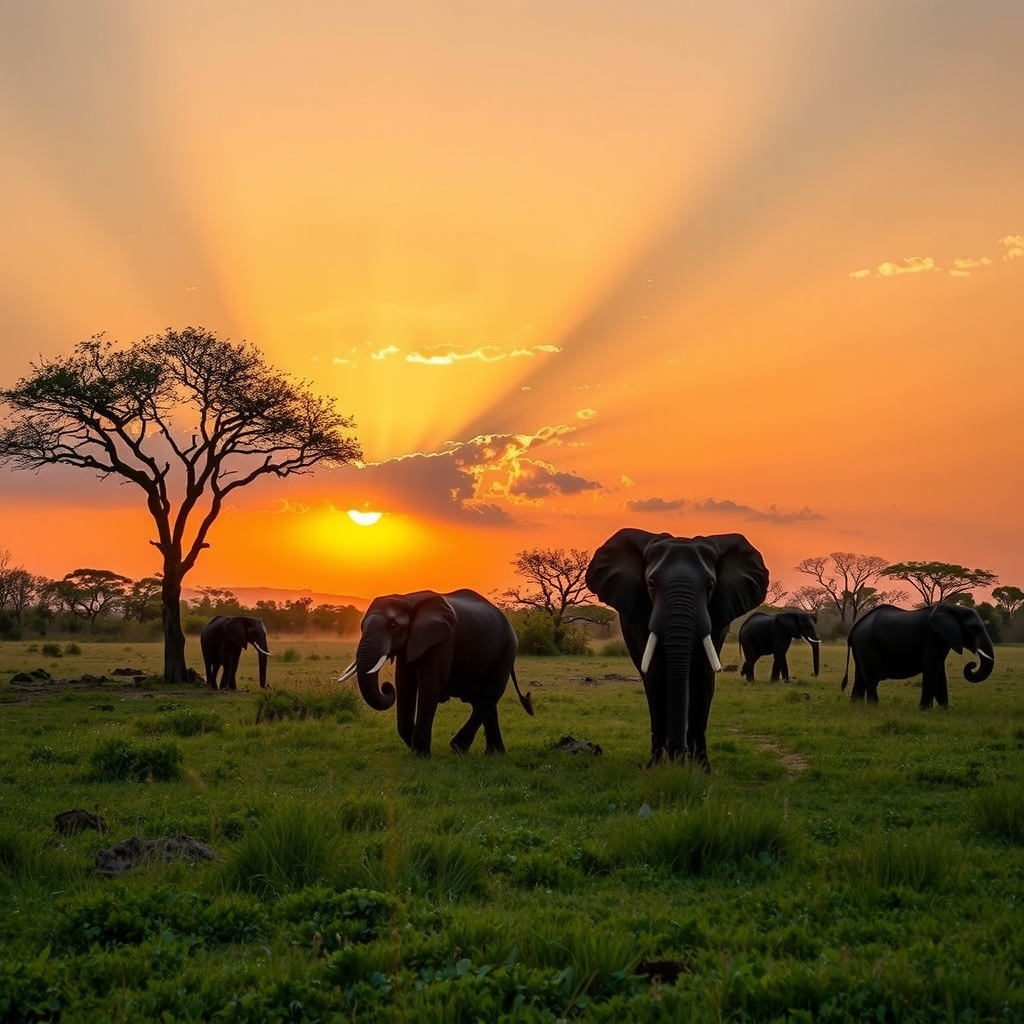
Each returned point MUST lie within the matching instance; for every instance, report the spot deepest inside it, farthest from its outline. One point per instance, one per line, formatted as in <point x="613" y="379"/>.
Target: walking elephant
<point x="763" y="634"/>
<point x="223" y="639"/>
<point x="443" y="645"/>
<point x="676" y="597"/>
<point x="893" y="643"/>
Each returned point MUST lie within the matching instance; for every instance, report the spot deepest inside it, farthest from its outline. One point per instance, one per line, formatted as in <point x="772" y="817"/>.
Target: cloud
<point x="446" y="355"/>
<point x="657" y="505"/>
<point x="1014" y="247"/>
<point x="866" y="272"/>
<point x="585" y="414"/>
<point x="479" y="480"/>
<point x="771" y="514"/>
<point x="390" y="350"/>
<point x="910" y="265"/>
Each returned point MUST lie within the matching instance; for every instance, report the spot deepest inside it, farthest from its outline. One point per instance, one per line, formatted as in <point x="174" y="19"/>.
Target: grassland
<point x="841" y="863"/>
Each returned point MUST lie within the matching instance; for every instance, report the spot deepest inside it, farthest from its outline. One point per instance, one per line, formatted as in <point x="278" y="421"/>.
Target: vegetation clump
<point x="120" y="761"/>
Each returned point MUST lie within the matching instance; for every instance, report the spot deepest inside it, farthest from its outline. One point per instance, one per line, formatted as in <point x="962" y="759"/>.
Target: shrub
<point x="615" y="649"/>
<point x="295" y="847"/>
<point x="290" y="655"/>
<point x="72" y="649"/>
<point x="186" y="722"/>
<point x="999" y="812"/>
<point x="363" y="815"/>
<point x="446" y="867"/>
<point x="706" y="840"/>
<point x="918" y="860"/>
<point x="355" y="915"/>
<point x="119" y="761"/>
<point x="671" y="783"/>
<point x="536" y="632"/>
<point x="283" y="705"/>
<point x="51" y="650"/>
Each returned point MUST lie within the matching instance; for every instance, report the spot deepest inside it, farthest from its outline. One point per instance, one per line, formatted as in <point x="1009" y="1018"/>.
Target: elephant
<point x="763" y="634"/>
<point x="455" y="644"/>
<point x="676" y="597"/>
<point x="223" y="639"/>
<point x="893" y="643"/>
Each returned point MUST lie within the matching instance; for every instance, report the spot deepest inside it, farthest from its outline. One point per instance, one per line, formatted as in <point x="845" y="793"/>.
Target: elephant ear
<point x="742" y="578"/>
<point x="235" y="631"/>
<point x="433" y="620"/>
<point x="616" y="573"/>
<point x="944" y="621"/>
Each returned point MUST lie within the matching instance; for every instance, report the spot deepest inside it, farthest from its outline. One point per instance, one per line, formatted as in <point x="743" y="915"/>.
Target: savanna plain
<point x="841" y="862"/>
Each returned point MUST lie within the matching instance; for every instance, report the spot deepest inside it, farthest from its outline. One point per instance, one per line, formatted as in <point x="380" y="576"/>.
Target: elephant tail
<point x="846" y="674"/>
<point x="526" y="701"/>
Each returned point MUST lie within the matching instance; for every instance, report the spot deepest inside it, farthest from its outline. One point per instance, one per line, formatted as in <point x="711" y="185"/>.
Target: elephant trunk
<point x="980" y="672"/>
<point x="369" y="658"/>
<point x="262" y="655"/>
<point x="815" y="654"/>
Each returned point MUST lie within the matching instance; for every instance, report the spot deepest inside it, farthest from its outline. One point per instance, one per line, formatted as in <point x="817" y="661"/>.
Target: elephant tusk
<point x="645" y="661"/>
<point x="709" y="649"/>
<point x="982" y="654"/>
<point x="260" y="649"/>
<point x="810" y="641"/>
<point x="376" y="668"/>
<point x="348" y="673"/>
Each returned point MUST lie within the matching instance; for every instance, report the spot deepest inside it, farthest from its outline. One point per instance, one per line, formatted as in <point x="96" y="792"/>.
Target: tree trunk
<point x="175" y="669"/>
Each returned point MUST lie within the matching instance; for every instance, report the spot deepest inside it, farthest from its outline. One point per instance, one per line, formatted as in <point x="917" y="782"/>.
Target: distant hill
<point x="248" y="596"/>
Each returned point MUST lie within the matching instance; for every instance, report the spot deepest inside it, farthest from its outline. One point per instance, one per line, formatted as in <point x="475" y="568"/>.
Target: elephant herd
<point x="676" y="598"/>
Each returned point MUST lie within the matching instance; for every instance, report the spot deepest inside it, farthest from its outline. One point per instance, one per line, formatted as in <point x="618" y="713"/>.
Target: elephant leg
<point x="859" y="691"/>
<point x="405" y="716"/>
<point x="231" y="672"/>
<point x="748" y="668"/>
<point x="492" y="733"/>
<point x="656" y="704"/>
<point x="463" y="739"/>
<point x="702" y="692"/>
<point x="777" y="670"/>
<point x="942" y="689"/>
<point x="426" y="708"/>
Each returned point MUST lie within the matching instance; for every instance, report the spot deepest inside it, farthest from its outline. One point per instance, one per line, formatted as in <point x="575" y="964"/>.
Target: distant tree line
<point x="554" y="613"/>
<point x="107" y="605"/>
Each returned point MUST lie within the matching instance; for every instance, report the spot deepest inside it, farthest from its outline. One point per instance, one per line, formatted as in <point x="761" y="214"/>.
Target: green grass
<point x="840" y="863"/>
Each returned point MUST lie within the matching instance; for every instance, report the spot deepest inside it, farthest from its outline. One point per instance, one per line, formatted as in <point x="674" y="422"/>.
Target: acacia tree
<point x="186" y="417"/>
<point x="555" y="580"/>
<point x="939" y="581"/>
<point x="1008" y="600"/>
<point x="90" y="593"/>
<point x="845" y="578"/>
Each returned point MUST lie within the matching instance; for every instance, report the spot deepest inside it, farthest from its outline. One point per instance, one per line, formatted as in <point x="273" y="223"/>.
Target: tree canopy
<point x="844" y="583"/>
<point x="555" y="582"/>
<point x="1009" y="600"/>
<point x="939" y="581"/>
<point x="185" y="416"/>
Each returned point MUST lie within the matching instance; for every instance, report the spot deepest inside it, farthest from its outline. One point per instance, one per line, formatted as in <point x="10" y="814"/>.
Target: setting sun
<point x="361" y="518"/>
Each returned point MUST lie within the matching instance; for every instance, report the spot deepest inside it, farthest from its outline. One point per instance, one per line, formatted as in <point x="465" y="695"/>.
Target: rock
<point x="571" y="745"/>
<point x="128" y="672"/>
<point x="130" y="853"/>
<point x="70" y="822"/>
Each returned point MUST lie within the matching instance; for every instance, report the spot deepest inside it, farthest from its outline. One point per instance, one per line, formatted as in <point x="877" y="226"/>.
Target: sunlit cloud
<point x="480" y="480"/>
<point x="1014" y="247"/>
<point x="390" y="350"/>
<point x="444" y="355"/>
<point x="866" y="272"/>
<point x="910" y="265"/>
<point x="627" y="481"/>
<point x="586" y="414"/>
<point x="771" y="514"/>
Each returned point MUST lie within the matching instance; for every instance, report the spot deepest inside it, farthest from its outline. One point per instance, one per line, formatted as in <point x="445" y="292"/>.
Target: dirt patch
<point x="793" y="763"/>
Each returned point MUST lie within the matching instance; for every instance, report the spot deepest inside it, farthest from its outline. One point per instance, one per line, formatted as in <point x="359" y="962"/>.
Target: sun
<point x="361" y="518"/>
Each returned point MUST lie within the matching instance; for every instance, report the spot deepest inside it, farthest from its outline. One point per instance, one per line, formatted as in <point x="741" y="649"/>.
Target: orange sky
<point x="571" y="265"/>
